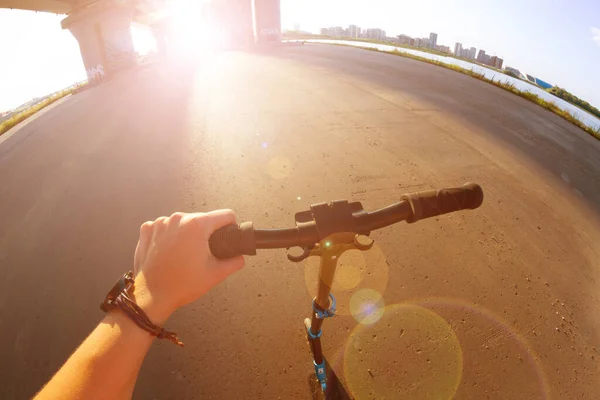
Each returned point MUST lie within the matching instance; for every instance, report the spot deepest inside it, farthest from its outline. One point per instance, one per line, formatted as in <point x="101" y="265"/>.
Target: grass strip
<point x="23" y="115"/>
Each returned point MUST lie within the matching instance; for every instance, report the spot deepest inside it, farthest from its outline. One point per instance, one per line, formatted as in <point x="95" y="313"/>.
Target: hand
<point x="173" y="263"/>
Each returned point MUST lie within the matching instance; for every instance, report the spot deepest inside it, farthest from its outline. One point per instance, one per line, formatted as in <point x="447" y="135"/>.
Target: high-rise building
<point x="443" y="49"/>
<point x="352" y="30"/>
<point x="481" y="56"/>
<point x="472" y="52"/>
<point x="432" y="40"/>
<point x="423" y="42"/>
<point x="358" y="31"/>
<point x="404" y="39"/>
<point x="338" y="31"/>
<point x="324" y="31"/>
<point x="496" y="62"/>
<point x="484" y="58"/>
<point x="375" y="33"/>
<point x="458" y="49"/>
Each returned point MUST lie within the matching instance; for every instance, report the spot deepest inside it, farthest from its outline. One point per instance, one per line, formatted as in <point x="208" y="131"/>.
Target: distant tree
<point x="571" y="98"/>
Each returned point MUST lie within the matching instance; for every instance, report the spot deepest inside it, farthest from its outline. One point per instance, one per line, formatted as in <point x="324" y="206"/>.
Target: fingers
<point x="146" y="230"/>
<point x="160" y="225"/>
<point x="218" y="218"/>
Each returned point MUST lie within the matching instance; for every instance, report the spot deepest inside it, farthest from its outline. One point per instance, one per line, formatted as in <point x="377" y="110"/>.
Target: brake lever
<point x="317" y="250"/>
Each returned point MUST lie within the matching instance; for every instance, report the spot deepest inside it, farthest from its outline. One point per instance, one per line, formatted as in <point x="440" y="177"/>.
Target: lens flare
<point x="356" y="270"/>
<point x="497" y="355"/>
<point x="411" y="352"/>
<point x="367" y="306"/>
<point x="350" y="277"/>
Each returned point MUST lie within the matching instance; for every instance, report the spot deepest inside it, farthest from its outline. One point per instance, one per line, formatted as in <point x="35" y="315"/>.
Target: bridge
<point x="102" y="27"/>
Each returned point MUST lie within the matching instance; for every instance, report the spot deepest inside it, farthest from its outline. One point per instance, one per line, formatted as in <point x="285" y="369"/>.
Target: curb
<point x="9" y="133"/>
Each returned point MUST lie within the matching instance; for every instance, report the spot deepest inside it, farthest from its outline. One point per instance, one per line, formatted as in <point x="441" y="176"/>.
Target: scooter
<point x="328" y="230"/>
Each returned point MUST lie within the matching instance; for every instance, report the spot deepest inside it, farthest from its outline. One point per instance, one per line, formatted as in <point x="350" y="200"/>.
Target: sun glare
<point x="190" y="32"/>
<point x="143" y="40"/>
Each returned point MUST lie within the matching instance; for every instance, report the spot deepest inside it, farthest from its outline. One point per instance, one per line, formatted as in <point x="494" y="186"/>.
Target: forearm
<point x="107" y="363"/>
<point x="173" y="266"/>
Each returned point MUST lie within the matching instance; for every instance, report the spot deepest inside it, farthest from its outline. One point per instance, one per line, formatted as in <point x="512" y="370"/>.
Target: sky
<point x="37" y="57"/>
<point x="555" y="40"/>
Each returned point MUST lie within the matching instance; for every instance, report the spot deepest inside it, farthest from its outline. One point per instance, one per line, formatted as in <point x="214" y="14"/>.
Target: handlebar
<point x="324" y="219"/>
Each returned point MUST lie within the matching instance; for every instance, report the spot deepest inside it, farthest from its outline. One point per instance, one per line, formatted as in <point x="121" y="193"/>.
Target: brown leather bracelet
<point x="141" y="319"/>
<point x="118" y="298"/>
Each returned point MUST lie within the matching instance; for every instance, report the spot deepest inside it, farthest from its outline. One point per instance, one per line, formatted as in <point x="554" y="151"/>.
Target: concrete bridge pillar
<point x="103" y="31"/>
<point x="267" y="21"/>
<point x="242" y="23"/>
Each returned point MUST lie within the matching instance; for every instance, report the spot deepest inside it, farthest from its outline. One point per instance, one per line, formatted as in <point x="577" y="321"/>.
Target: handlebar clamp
<point x="330" y="312"/>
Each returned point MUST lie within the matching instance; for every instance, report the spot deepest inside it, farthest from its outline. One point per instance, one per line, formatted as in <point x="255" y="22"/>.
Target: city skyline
<point x="559" y="42"/>
<point x="354" y="31"/>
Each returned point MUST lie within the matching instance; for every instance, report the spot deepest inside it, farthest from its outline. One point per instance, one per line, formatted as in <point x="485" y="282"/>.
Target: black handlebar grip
<point x="436" y="202"/>
<point x="233" y="240"/>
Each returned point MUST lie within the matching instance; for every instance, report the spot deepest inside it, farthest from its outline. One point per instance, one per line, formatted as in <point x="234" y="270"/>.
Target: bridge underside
<point x="51" y="6"/>
<point x="102" y="27"/>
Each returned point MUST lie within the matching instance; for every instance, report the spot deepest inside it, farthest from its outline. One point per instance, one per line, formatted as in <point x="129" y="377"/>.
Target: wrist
<point x="157" y="310"/>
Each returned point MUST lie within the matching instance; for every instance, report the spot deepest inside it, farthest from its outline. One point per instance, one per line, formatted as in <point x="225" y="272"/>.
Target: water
<point x="583" y="116"/>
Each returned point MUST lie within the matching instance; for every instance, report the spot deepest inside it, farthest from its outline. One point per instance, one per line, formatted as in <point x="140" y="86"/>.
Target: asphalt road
<point x="501" y="302"/>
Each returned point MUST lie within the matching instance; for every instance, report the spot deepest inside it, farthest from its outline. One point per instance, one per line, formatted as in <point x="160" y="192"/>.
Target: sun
<point x="190" y="31"/>
<point x="143" y="40"/>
